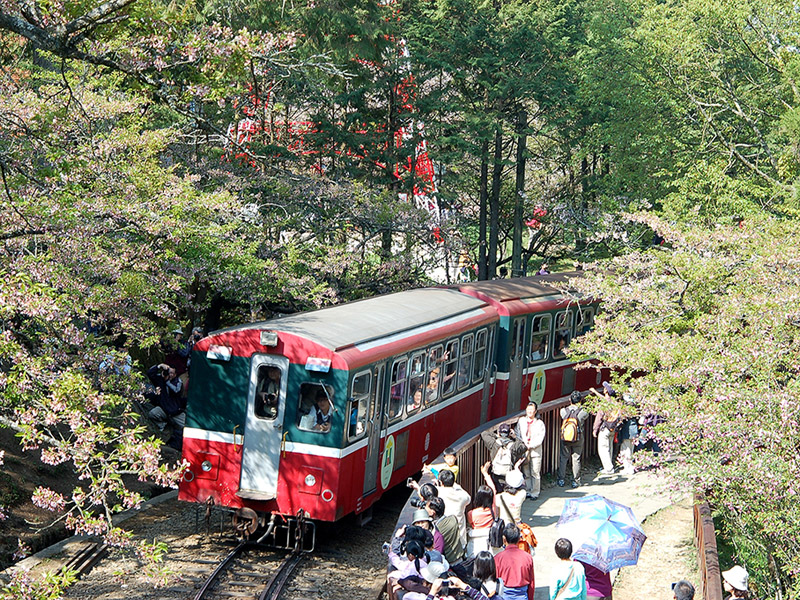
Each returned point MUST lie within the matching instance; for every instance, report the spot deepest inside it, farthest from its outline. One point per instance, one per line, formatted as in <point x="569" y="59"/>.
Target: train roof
<point x="358" y="322"/>
<point x="518" y="288"/>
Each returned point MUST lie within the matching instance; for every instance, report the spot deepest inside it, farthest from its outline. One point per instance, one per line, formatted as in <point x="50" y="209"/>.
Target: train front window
<point x="480" y="356"/>
<point x="359" y="400"/>
<point x="563" y="333"/>
<point x="450" y="366"/>
<point x="397" y="392"/>
<point x="268" y="391"/>
<point x="465" y="363"/>
<point x="316" y="407"/>
<point x="540" y="338"/>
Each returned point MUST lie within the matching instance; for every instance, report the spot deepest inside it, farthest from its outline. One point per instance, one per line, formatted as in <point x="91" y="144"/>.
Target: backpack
<point x="496" y="532"/>
<point x="570" y="428"/>
<point x="502" y="462"/>
<point x="527" y="539"/>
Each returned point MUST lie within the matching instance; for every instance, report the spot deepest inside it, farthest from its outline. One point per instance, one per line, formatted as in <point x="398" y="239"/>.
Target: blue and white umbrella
<point x="604" y="533"/>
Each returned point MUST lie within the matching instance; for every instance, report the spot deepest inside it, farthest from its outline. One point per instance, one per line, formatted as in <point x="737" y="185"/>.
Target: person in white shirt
<point x="455" y="499"/>
<point x="531" y="430"/>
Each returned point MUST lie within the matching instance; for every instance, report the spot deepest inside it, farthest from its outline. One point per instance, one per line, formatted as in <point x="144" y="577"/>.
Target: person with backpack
<point x="505" y="451"/>
<point x="573" y="418"/>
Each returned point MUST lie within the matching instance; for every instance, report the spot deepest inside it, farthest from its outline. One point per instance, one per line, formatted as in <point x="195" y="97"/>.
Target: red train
<point x="318" y="413"/>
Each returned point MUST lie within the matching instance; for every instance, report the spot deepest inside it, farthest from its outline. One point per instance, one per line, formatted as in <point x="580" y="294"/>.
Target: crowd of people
<point x="166" y="394"/>
<point x="449" y="552"/>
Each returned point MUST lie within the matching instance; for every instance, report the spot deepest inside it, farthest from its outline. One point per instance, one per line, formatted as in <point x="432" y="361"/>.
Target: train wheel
<point x="245" y="522"/>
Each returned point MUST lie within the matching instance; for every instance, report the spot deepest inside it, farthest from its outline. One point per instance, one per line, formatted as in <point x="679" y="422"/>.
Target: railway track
<point x="347" y="562"/>
<point x="246" y="573"/>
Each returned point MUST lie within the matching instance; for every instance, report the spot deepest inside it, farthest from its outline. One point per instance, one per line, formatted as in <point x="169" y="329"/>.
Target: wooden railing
<point x="705" y="538"/>
<point x="471" y="452"/>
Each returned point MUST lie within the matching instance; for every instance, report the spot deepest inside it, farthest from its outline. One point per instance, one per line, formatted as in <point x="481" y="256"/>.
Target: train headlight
<point x="206" y="465"/>
<point x="311" y="481"/>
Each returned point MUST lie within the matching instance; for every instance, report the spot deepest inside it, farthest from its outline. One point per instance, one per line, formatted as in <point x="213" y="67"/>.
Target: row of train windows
<point x="422" y="380"/>
<point x="542" y="346"/>
<point x="425" y="378"/>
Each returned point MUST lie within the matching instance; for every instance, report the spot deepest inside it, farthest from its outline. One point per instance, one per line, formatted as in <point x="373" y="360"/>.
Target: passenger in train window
<point x="538" y="349"/>
<point x="562" y="341"/>
<point x="416" y="400"/>
<point x="319" y="418"/>
<point x="432" y="389"/>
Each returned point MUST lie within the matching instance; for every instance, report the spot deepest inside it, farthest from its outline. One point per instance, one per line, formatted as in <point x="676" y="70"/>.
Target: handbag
<point x="566" y="583"/>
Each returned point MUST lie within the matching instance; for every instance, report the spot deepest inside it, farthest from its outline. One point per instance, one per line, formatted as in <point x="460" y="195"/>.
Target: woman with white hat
<point x="734" y="580"/>
<point x="509" y="501"/>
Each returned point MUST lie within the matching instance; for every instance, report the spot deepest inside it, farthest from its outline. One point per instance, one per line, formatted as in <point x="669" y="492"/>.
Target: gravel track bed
<point x="348" y="563"/>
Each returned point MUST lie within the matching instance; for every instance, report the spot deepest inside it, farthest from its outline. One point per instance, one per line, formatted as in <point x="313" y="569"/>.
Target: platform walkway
<point x="644" y="492"/>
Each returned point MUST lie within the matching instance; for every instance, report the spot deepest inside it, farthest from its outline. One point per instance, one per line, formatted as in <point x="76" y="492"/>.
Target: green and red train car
<point x="401" y="377"/>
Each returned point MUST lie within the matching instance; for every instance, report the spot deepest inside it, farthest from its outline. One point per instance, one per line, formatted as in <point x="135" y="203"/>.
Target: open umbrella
<point x="604" y="533"/>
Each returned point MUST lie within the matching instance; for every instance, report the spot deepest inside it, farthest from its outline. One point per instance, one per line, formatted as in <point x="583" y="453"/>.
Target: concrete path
<point x="644" y="492"/>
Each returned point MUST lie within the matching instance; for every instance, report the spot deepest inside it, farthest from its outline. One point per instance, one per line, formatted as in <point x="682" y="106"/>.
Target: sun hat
<point x="514" y="479"/>
<point x="737" y="577"/>
<point x="421" y="515"/>
<point x="432" y="556"/>
<point x="434" y="569"/>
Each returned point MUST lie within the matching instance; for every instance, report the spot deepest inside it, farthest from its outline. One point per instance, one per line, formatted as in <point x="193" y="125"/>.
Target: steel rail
<point x="220" y="568"/>
<point x="84" y="560"/>
<point x="278" y="580"/>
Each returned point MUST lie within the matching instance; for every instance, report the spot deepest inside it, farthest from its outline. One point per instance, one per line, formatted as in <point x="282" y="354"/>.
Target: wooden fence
<point x="705" y="538"/>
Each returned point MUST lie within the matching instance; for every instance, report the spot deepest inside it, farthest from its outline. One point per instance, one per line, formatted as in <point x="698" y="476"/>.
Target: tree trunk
<point x="483" y="267"/>
<point x="494" y="206"/>
<point x="519" y="196"/>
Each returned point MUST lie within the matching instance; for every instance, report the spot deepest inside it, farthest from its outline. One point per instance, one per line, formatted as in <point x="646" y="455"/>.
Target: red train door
<point x="377" y="407"/>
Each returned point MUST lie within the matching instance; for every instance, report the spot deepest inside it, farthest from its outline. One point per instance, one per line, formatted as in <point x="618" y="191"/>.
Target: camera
<point x="444" y="590"/>
<point x="410" y="482"/>
<point x="417" y="502"/>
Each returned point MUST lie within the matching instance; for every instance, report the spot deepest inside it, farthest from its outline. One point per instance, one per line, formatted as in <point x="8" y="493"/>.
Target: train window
<point x="585" y="321"/>
<point x="416" y="383"/>
<point x="397" y="392"/>
<point x="435" y="359"/>
<point x="563" y="333"/>
<point x="316" y="407"/>
<point x="479" y="366"/>
<point x="268" y="391"/>
<point x="450" y="367"/>
<point x="516" y="344"/>
<point x="540" y="337"/>
<point x="359" y="399"/>
<point x="465" y="363"/>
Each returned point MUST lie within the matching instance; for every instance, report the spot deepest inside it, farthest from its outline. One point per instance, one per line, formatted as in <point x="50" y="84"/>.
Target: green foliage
<point x="704" y="332"/>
